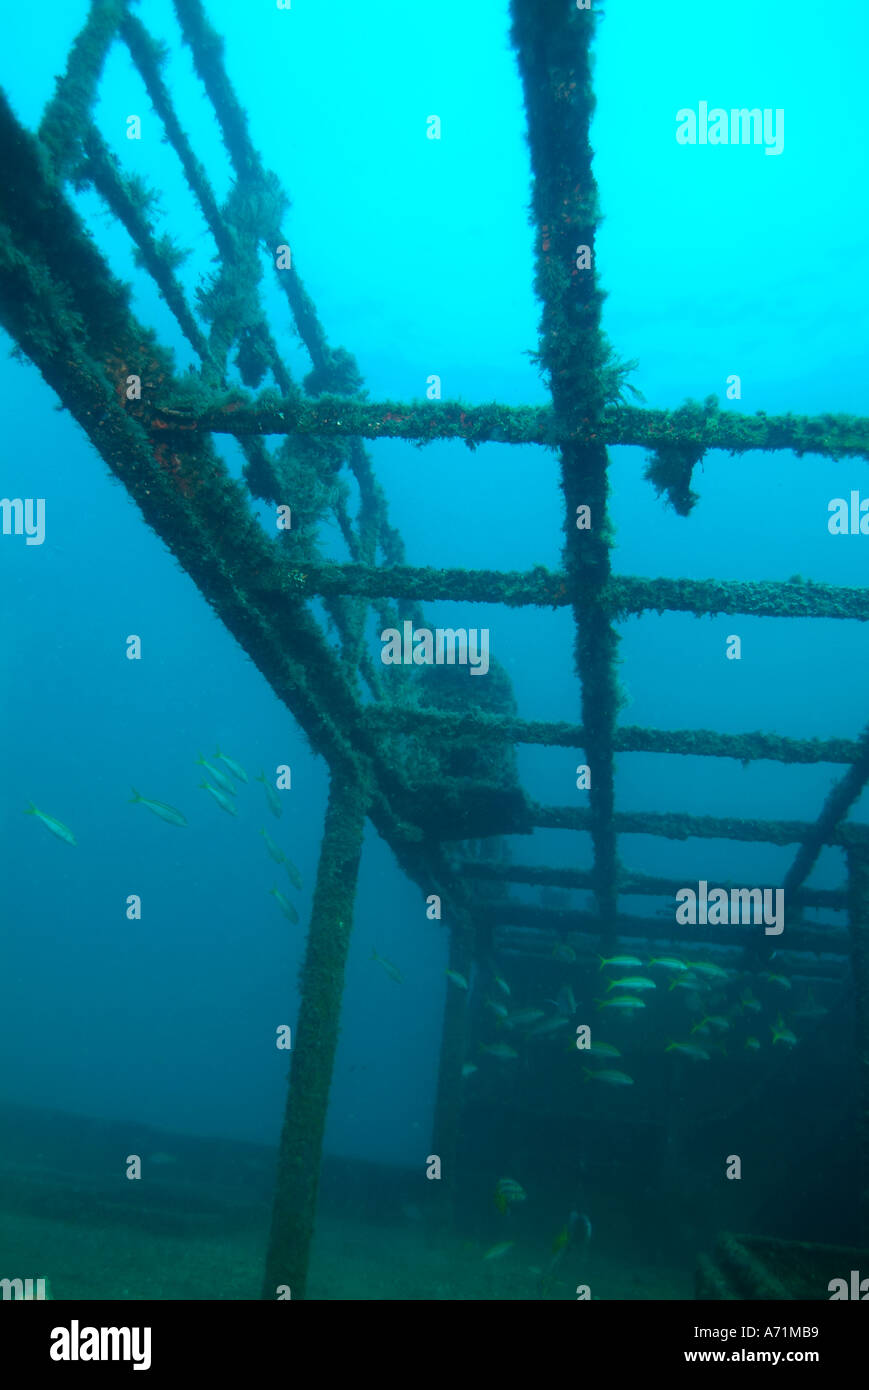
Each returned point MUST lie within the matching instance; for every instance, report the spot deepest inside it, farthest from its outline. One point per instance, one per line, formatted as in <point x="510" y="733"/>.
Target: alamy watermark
<point x="444" y="646"/>
<point x="739" y="126"/>
<point x="22" y="1288"/>
<point x="19" y="518"/>
<point x="739" y="906"/>
<point x="77" y="1343"/>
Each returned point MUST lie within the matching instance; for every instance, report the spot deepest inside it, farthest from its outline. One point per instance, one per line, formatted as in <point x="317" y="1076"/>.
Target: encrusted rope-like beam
<point x="553" y="49"/>
<point x="60" y="302"/>
<point x="678" y="826"/>
<point x="644" y="885"/>
<point x="795" y="599"/>
<point x="829" y="436"/>
<point x="104" y="172"/>
<point x="316" y="1041"/>
<point x="858" y="899"/>
<point x="623" y="596"/>
<point x="705" y="743"/>
<point x="835" y="809"/>
<point x="148" y="57"/>
<point x="68" y="113"/>
<point x="507" y="913"/>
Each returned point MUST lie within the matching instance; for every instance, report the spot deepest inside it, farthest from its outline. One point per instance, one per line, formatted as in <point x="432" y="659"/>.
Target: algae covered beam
<point x="553" y="49"/>
<point x="828" y="436"/>
<point x="316" y="1040"/>
<point x="448" y="1101"/>
<point x="67" y="114"/>
<point x="797" y="598"/>
<point x="643" y="885"/>
<point x="858" y="898"/>
<point x="60" y="302"/>
<point x="835" y="809"/>
<point x="629" y="738"/>
<point x="622" y="597"/>
<point x="676" y="825"/>
<point x="548" y="925"/>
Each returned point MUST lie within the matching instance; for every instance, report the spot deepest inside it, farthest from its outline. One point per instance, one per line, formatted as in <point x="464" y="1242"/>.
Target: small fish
<point x="548" y="1025"/>
<point x="469" y="1068"/>
<point x="294" y="875"/>
<point x="285" y="905"/>
<point x="274" y="850"/>
<point x="697" y="1054"/>
<point x="781" y="1033"/>
<point x="502" y="985"/>
<point x="603" y="1049"/>
<point x="522" y="1017"/>
<point x="498" y="1009"/>
<point x="166" y="813"/>
<point x="632" y="982"/>
<point x="224" y="782"/>
<point x="391" y="970"/>
<point x="235" y="768"/>
<point x="456" y="978"/>
<point x="627" y="961"/>
<point x="752" y="1044"/>
<point x="668" y="963"/>
<point x="506" y="1054"/>
<point x="626" y="1002"/>
<point x="610" y="1078"/>
<point x="561" y="951"/>
<point x="271" y="796"/>
<point x="685" y="982"/>
<point x="508" y="1191"/>
<point x="720" y="1024"/>
<point x="709" y="969"/>
<point x="220" y="797"/>
<point x="576" y="1233"/>
<point x="62" y="831"/>
<point x="749" y="1002"/>
<point x="702" y="1027"/>
<point x="498" y="1250"/>
<point x="776" y="980"/>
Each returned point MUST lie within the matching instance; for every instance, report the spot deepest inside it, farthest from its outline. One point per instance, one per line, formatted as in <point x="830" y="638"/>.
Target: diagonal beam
<point x="60" y="302"/>
<point x="836" y="807"/>
<point x="67" y="114"/>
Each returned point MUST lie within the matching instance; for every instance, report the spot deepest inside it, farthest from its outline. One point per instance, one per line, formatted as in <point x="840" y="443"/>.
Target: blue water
<point x="419" y="257"/>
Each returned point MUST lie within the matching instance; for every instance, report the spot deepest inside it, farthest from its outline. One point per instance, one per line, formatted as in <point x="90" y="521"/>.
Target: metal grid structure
<point x="72" y="318"/>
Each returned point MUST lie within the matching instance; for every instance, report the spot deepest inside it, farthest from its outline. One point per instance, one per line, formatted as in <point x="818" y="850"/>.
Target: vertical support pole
<point x="858" y="921"/>
<point x="313" y="1056"/>
<point x="553" y="49"/>
<point x="448" y="1102"/>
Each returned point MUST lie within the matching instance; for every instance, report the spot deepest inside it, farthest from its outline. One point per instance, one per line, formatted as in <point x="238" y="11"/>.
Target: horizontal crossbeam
<point x="831" y="436"/>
